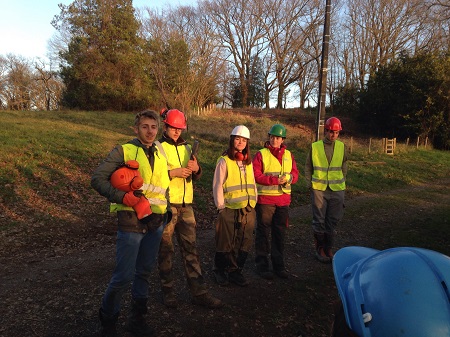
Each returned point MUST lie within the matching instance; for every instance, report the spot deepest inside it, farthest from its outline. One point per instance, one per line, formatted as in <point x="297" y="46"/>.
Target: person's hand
<point x="193" y="165"/>
<point x="282" y="180"/>
<point x="182" y="172"/>
<point x="132" y="198"/>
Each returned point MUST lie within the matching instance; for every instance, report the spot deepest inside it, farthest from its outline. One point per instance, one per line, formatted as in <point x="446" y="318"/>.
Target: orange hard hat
<point x="333" y="124"/>
<point x="127" y="178"/>
<point x="176" y="119"/>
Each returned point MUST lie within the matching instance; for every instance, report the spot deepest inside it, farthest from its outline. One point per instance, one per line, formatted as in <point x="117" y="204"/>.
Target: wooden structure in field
<point x="389" y="145"/>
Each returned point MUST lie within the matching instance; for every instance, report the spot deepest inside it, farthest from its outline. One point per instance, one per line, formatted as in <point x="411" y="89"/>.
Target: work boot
<point x="319" y="245"/>
<point x="282" y="273"/>
<point x="136" y="323"/>
<point x="329" y="241"/>
<point x="107" y="326"/>
<point x="264" y="272"/>
<point x="207" y="300"/>
<point x="236" y="277"/>
<point x="169" y="299"/>
<point x="221" y="277"/>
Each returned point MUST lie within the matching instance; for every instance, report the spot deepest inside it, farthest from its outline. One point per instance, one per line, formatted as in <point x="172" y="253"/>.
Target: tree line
<point x="232" y="53"/>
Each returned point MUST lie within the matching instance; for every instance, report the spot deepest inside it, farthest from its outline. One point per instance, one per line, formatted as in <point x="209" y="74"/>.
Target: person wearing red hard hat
<point x="325" y="173"/>
<point x="183" y="170"/>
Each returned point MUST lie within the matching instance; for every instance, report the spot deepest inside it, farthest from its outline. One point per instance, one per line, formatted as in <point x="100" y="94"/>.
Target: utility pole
<point x="320" y="120"/>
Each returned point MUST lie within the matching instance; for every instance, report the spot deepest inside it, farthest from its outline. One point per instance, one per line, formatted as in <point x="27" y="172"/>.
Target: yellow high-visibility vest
<point x="239" y="188"/>
<point x="178" y="156"/>
<point x="324" y="173"/>
<point x="273" y="167"/>
<point x="155" y="183"/>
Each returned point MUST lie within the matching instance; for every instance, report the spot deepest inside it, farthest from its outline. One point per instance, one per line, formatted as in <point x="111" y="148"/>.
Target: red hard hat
<point x="333" y="124"/>
<point x="176" y="119"/>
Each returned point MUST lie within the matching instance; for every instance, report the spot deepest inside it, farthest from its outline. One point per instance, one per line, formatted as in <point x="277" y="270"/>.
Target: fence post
<point x="351" y="144"/>
<point x="370" y="143"/>
<point x="426" y="142"/>
<point x="417" y="145"/>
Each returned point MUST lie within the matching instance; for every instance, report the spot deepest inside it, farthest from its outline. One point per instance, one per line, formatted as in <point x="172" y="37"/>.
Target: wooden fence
<point x="384" y="145"/>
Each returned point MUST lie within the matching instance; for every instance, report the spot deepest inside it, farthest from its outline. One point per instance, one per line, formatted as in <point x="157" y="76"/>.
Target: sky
<point x="25" y="25"/>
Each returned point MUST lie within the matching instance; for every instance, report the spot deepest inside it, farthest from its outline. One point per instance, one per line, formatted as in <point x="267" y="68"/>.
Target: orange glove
<point x="142" y="208"/>
<point x="131" y="198"/>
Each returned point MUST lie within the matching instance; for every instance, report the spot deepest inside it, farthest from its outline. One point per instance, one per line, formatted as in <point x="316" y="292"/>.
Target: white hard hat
<point x="242" y="131"/>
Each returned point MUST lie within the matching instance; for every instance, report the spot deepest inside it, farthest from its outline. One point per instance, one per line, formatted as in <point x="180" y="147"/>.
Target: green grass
<point x="54" y="149"/>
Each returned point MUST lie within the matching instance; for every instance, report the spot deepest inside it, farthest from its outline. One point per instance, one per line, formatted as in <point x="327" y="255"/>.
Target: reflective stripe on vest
<point x="327" y="174"/>
<point x="239" y="187"/>
<point x="272" y="167"/>
<point x="180" y="189"/>
<point x="155" y="183"/>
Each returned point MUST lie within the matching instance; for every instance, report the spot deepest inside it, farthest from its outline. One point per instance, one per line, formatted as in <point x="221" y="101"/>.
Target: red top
<point x="262" y="179"/>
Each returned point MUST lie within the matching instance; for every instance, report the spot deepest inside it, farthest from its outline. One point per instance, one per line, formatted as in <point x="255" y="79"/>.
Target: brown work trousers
<point x="183" y="225"/>
<point x="234" y="237"/>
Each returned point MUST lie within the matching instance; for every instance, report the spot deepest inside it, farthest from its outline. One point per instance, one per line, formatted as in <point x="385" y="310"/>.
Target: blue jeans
<point x="136" y="254"/>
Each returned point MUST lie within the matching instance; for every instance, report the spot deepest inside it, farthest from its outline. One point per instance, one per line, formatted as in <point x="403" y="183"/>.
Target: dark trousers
<point x="271" y="224"/>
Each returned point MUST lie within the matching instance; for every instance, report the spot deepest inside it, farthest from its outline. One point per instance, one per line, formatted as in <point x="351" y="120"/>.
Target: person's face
<point x="240" y="143"/>
<point x="275" y="141"/>
<point x="146" y="131"/>
<point x="172" y="132"/>
<point x="332" y="135"/>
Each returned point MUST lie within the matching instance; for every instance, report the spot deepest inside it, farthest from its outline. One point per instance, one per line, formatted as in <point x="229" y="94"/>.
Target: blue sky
<point x="25" y="24"/>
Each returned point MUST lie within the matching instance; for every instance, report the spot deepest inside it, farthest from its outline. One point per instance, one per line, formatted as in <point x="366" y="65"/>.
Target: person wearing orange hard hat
<point x="325" y="173"/>
<point x="183" y="168"/>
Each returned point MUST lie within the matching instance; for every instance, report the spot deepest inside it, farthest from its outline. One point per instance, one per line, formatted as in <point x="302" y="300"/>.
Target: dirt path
<point x="54" y="288"/>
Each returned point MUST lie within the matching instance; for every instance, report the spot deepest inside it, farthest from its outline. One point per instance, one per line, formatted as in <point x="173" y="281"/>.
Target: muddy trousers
<point x="234" y="238"/>
<point x="183" y="226"/>
<point x="271" y="224"/>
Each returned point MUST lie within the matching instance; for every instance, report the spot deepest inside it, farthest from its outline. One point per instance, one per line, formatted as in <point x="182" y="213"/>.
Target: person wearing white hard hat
<point x="235" y="195"/>
<point x="402" y="291"/>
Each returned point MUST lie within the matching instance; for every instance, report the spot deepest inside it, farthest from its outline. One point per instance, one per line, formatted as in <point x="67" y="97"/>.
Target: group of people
<point x="252" y="195"/>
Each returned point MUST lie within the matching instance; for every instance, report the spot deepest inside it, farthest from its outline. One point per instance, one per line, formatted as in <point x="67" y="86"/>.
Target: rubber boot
<point x="320" y="248"/>
<point x="136" y="323"/>
<point x="221" y="263"/>
<point x="329" y="241"/>
<point x="107" y="326"/>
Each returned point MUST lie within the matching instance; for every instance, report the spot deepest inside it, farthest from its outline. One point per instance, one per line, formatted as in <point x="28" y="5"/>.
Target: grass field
<point x="57" y="238"/>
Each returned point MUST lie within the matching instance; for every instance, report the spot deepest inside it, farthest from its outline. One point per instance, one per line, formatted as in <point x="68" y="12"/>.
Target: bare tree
<point x="238" y="28"/>
<point x="19" y="83"/>
<point x="48" y="89"/>
<point x="378" y="31"/>
<point x="287" y="24"/>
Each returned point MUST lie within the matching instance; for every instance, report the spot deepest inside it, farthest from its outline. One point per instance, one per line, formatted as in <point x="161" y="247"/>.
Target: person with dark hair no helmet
<point x="403" y="291"/>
